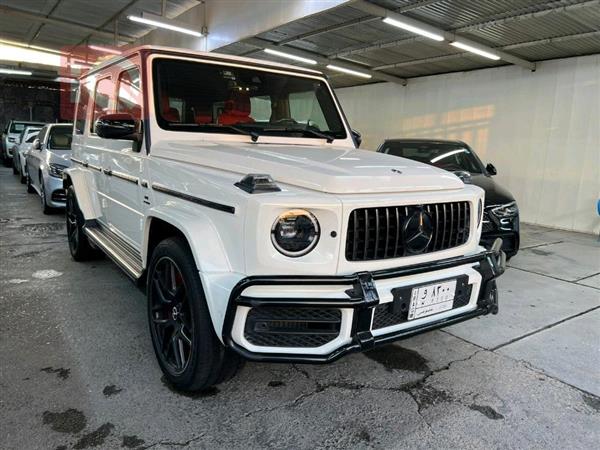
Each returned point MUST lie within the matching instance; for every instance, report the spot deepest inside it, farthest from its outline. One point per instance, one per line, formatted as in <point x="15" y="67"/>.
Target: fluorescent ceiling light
<point x="34" y="47"/>
<point x="27" y="55"/>
<point x="159" y="22"/>
<point x="66" y="80"/>
<point x="290" y="56"/>
<point x="413" y="29"/>
<point x="475" y="50"/>
<point x="99" y="48"/>
<point x="15" y="72"/>
<point x="348" y="71"/>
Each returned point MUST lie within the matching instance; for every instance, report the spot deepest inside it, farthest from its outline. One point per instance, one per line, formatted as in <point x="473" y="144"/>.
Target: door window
<point x="129" y="99"/>
<point x="104" y="91"/>
<point x="82" y="108"/>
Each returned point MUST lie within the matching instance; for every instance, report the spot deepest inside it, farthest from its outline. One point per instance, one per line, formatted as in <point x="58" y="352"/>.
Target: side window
<point x="102" y="95"/>
<point x="129" y="99"/>
<point x="82" y="108"/>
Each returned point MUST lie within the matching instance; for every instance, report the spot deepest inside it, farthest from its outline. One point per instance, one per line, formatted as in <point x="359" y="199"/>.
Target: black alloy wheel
<point x="45" y="208"/>
<point x="79" y="246"/>
<point x="172" y="321"/>
<point x="190" y="354"/>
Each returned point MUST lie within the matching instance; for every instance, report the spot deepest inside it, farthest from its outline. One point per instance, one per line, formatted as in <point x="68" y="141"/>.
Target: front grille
<point x="378" y="233"/>
<point x="396" y="312"/>
<point x="271" y="326"/>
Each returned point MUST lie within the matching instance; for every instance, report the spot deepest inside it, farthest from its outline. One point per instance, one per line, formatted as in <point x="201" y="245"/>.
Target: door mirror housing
<point x="491" y="169"/>
<point x="36" y="144"/>
<point x="118" y="126"/>
<point x="356" y="137"/>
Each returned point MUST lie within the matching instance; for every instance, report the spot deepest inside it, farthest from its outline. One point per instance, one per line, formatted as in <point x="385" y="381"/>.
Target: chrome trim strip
<point x="190" y="198"/>
<point x="77" y="161"/>
<point x="93" y="166"/>
<point x="126" y="177"/>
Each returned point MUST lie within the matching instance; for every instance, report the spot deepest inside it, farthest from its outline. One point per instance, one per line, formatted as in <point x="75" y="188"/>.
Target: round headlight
<point x="295" y="232"/>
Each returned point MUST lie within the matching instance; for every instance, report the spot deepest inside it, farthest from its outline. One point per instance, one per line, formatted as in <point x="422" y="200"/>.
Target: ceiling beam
<point x="444" y="58"/>
<point x="60" y="22"/>
<point x="323" y="61"/>
<point x="350" y="23"/>
<point x="376" y="10"/>
<point x="473" y="26"/>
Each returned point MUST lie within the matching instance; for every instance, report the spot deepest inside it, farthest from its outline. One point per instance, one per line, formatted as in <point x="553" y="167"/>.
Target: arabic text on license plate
<point x="431" y="299"/>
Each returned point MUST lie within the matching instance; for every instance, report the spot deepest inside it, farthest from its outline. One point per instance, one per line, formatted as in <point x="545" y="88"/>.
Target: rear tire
<point x="79" y="245"/>
<point x="188" y="351"/>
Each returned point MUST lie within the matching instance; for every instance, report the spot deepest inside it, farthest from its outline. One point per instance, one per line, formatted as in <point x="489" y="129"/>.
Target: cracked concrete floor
<point x="77" y="368"/>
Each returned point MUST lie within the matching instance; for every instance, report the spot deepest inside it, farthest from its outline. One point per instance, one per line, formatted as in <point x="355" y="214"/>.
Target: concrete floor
<point x="78" y="371"/>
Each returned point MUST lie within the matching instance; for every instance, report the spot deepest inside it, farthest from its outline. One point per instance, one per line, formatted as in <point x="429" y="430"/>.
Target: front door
<point x="124" y="163"/>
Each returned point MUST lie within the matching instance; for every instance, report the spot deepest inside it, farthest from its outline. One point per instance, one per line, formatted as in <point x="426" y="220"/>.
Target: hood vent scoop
<point x="254" y="183"/>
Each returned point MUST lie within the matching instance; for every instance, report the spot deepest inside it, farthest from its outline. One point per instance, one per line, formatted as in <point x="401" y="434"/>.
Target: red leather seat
<point x="169" y="114"/>
<point x="237" y="109"/>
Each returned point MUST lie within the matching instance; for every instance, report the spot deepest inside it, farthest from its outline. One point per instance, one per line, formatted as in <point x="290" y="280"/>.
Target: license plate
<point x="431" y="299"/>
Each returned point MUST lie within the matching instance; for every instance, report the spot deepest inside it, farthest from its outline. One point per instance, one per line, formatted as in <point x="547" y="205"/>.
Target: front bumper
<point x="359" y="308"/>
<point x="55" y="192"/>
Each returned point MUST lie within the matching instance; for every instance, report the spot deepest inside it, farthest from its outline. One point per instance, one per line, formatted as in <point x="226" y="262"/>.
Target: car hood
<point x="62" y="157"/>
<point x="494" y="193"/>
<point x="336" y="170"/>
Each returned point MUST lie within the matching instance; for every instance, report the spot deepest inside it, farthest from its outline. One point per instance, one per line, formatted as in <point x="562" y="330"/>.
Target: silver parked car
<point x="10" y="137"/>
<point x="49" y="156"/>
<point x="19" y="151"/>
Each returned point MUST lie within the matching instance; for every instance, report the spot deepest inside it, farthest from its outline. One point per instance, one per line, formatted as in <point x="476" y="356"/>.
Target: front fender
<point x="200" y="232"/>
<point x="215" y="268"/>
<point x="84" y="184"/>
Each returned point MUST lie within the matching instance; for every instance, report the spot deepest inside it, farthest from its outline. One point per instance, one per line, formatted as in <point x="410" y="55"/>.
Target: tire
<point x="6" y="161"/>
<point x="79" y="245"/>
<point x="45" y="208"/>
<point x="187" y="349"/>
<point x="14" y="167"/>
<point x="30" y="188"/>
<point x="23" y="179"/>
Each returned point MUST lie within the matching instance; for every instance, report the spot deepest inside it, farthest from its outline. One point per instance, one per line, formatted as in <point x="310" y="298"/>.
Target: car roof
<point x="155" y="49"/>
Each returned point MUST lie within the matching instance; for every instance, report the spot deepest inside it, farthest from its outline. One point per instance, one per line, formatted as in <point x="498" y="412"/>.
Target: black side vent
<point x="257" y="183"/>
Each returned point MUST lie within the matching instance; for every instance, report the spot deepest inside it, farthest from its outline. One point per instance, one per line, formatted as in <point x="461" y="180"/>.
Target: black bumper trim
<point x="362" y="297"/>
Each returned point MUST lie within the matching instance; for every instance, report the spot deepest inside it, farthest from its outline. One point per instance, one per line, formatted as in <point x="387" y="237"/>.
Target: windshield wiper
<point x="253" y="134"/>
<point x="306" y="130"/>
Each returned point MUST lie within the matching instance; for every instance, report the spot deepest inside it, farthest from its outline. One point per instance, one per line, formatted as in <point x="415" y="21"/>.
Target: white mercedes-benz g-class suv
<point x="232" y="189"/>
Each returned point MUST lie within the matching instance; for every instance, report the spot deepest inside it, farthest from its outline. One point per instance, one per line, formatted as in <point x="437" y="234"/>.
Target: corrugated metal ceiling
<point x="524" y="28"/>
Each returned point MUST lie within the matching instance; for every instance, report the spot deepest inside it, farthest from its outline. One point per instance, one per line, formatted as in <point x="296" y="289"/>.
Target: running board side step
<point x="121" y="252"/>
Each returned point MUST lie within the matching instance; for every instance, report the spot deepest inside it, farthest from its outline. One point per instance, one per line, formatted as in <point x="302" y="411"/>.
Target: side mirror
<point x="36" y="144"/>
<point x="118" y="126"/>
<point x="491" y="169"/>
<point x="357" y="138"/>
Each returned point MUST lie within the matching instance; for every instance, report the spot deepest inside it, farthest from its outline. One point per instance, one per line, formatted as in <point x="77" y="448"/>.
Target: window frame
<point x="111" y="99"/>
<point x="118" y="88"/>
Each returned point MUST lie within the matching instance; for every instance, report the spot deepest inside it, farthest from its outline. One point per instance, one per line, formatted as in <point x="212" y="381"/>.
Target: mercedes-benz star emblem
<point x="417" y="232"/>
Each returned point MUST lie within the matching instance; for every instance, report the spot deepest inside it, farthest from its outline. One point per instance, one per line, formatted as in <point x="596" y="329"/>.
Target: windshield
<point x="17" y="127"/>
<point x="195" y="96"/>
<point x="445" y="155"/>
<point x="60" y="138"/>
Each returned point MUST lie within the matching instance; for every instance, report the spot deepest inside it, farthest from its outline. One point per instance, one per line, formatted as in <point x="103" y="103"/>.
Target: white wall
<point x="541" y="130"/>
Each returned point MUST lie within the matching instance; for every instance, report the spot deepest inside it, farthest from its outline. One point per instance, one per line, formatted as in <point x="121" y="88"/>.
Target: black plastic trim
<point x="362" y="297"/>
<point x="191" y="198"/>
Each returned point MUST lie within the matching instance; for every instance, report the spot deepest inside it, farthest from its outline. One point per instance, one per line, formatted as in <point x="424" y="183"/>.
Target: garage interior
<point x="522" y="88"/>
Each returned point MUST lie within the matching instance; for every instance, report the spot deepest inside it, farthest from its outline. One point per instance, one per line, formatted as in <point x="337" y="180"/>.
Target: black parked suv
<point x="501" y="214"/>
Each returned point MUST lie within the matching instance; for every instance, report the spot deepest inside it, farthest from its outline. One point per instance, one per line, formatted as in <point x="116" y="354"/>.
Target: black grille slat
<point x="376" y="233"/>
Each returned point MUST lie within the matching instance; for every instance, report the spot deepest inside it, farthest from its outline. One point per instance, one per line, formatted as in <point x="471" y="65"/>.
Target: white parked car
<point x="11" y="136"/>
<point x="49" y="156"/>
<point x="20" y="150"/>
<point x="233" y="188"/>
